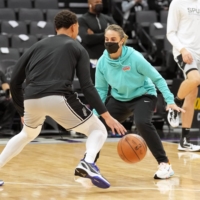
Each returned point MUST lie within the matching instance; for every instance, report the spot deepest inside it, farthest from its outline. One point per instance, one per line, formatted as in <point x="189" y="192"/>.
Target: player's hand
<point x="174" y="107"/>
<point x="114" y="124"/>
<point x="22" y="120"/>
<point x="187" y="56"/>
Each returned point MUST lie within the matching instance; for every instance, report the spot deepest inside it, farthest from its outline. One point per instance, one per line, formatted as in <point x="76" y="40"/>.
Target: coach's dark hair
<point x="65" y="19"/>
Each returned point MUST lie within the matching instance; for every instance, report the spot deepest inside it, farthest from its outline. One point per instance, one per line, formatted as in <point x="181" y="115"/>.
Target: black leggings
<point x="142" y="108"/>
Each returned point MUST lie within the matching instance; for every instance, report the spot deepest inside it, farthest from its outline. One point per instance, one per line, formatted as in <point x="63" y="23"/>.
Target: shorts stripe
<point x="72" y="110"/>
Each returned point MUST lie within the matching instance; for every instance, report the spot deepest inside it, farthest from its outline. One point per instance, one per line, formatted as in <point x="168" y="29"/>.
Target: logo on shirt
<point x="194" y="11"/>
<point x="126" y="68"/>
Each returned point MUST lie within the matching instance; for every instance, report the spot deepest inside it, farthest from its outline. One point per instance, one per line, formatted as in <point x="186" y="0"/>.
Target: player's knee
<point x="31" y="133"/>
<point x="103" y="129"/>
<point x="98" y="125"/>
<point x="196" y="81"/>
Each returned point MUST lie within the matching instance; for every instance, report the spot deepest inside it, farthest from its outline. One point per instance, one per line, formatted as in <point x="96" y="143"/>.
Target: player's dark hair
<point x="65" y="19"/>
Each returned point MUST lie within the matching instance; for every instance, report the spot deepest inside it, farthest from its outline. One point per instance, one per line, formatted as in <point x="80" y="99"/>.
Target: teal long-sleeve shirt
<point x="129" y="76"/>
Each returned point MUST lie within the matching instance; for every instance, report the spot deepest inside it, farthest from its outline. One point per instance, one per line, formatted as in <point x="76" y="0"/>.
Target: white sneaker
<point x="164" y="171"/>
<point x="189" y="147"/>
<point x="173" y="118"/>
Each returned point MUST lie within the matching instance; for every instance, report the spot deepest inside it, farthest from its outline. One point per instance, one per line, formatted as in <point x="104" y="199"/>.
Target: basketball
<point x="132" y="148"/>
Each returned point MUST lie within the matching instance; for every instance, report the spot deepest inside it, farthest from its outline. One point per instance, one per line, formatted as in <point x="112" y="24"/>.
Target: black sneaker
<point x="91" y="171"/>
<point x="185" y="145"/>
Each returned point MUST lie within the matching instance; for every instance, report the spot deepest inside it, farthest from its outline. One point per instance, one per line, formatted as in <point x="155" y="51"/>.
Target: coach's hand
<point x="113" y="124"/>
<point x="187" y="56"/>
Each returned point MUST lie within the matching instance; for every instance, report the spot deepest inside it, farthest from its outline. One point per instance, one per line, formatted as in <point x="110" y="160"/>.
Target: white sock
<point x="17" y="143"/>
<point x="94" y="143"/>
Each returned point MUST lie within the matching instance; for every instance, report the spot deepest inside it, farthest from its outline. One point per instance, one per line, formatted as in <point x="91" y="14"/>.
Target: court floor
<point x="45" y="172"/>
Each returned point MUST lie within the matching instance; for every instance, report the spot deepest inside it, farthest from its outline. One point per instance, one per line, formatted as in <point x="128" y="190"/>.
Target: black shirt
<point x="94" y="43"/>
<point x="49" y="67"/>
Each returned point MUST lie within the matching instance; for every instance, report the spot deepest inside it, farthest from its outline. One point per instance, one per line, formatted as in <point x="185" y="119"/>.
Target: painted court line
<point x="112" y="187"/>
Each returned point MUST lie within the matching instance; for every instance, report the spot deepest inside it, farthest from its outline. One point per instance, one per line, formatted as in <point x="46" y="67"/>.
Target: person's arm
<point x="89" y="39"/>
<point x="172" y="26"/>
<point x="145" y="68"/>
<point x="17" y="79"/>
<point x="89" y="91"/>
<point x="154" y="6"/>
<point x="110" y="20"/>
<point x="126" y="6"/>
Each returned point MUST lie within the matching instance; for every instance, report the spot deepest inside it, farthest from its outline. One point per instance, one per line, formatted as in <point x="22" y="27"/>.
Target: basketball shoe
<point x="185" y="145"/>
<point x="1" y="182"/>
<point x="173" y="118"/>
<point x="164" y="171"/>
<point x="91" y="171"/>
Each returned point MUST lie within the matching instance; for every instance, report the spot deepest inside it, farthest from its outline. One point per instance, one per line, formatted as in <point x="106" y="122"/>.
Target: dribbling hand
<point x="114" y="124"/>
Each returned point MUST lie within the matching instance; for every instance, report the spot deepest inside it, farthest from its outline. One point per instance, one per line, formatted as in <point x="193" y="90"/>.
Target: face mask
<point x="98" y="8"/>
<point x="112" y="47"/>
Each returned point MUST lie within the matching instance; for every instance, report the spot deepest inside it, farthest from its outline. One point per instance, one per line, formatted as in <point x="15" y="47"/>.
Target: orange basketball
<point x="132" y="148"/>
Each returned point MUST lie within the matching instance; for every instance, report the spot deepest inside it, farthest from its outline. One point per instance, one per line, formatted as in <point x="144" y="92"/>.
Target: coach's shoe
<point x="91" y="171"/>
<point x="164" y="171"/>
<point x="185" y="145"/>
<point x="173" y="118"/>
<point x="1" y="182"/>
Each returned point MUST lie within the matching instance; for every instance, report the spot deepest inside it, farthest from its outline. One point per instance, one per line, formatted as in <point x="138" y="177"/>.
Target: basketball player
<point x="48" y="68"/>
<point x="132" y="81"/>
<point x="183" y="34"/>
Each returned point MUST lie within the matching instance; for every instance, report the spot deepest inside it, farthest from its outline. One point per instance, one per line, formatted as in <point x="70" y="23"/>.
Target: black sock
<point x="185" y="133"/>
<point x="179" y="102"/>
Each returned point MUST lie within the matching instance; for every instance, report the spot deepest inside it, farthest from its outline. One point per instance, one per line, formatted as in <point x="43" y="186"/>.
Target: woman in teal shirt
<point x="132" y="81"/>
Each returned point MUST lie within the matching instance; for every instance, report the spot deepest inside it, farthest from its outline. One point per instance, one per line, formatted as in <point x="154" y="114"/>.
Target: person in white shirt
<point x="183" y="33"/>
<point x="129" y="7"/>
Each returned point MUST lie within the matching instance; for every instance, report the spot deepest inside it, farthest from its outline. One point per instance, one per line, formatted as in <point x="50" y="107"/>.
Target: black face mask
<point x="98" y="8"/>
<point x="112" y="47"/>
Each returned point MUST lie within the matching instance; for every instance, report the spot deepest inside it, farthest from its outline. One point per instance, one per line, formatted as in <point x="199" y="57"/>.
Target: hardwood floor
<point x="45" y="172"/>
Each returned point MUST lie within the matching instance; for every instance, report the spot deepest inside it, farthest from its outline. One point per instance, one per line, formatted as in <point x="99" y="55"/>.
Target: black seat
<point x="78" y="6"/>
<point x="7" y="14"/>
<point x="19" y="4"/>
<point x="76" y="87"/>
<point x="7" y="28"/>
<point x="44" y="4"/>
<point x="51" y="13"/>
<point x="163" y="16"/>
<point x="6" y="66"/>
<point x="4" y="41"/>
<point x="18" y="42"/>
<point x="29" y="15"/>
<point x="2" y="4"/>
<point x="12" y="54"/>
<point x="48" y="29"/>
<point x="145" y="17"/>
